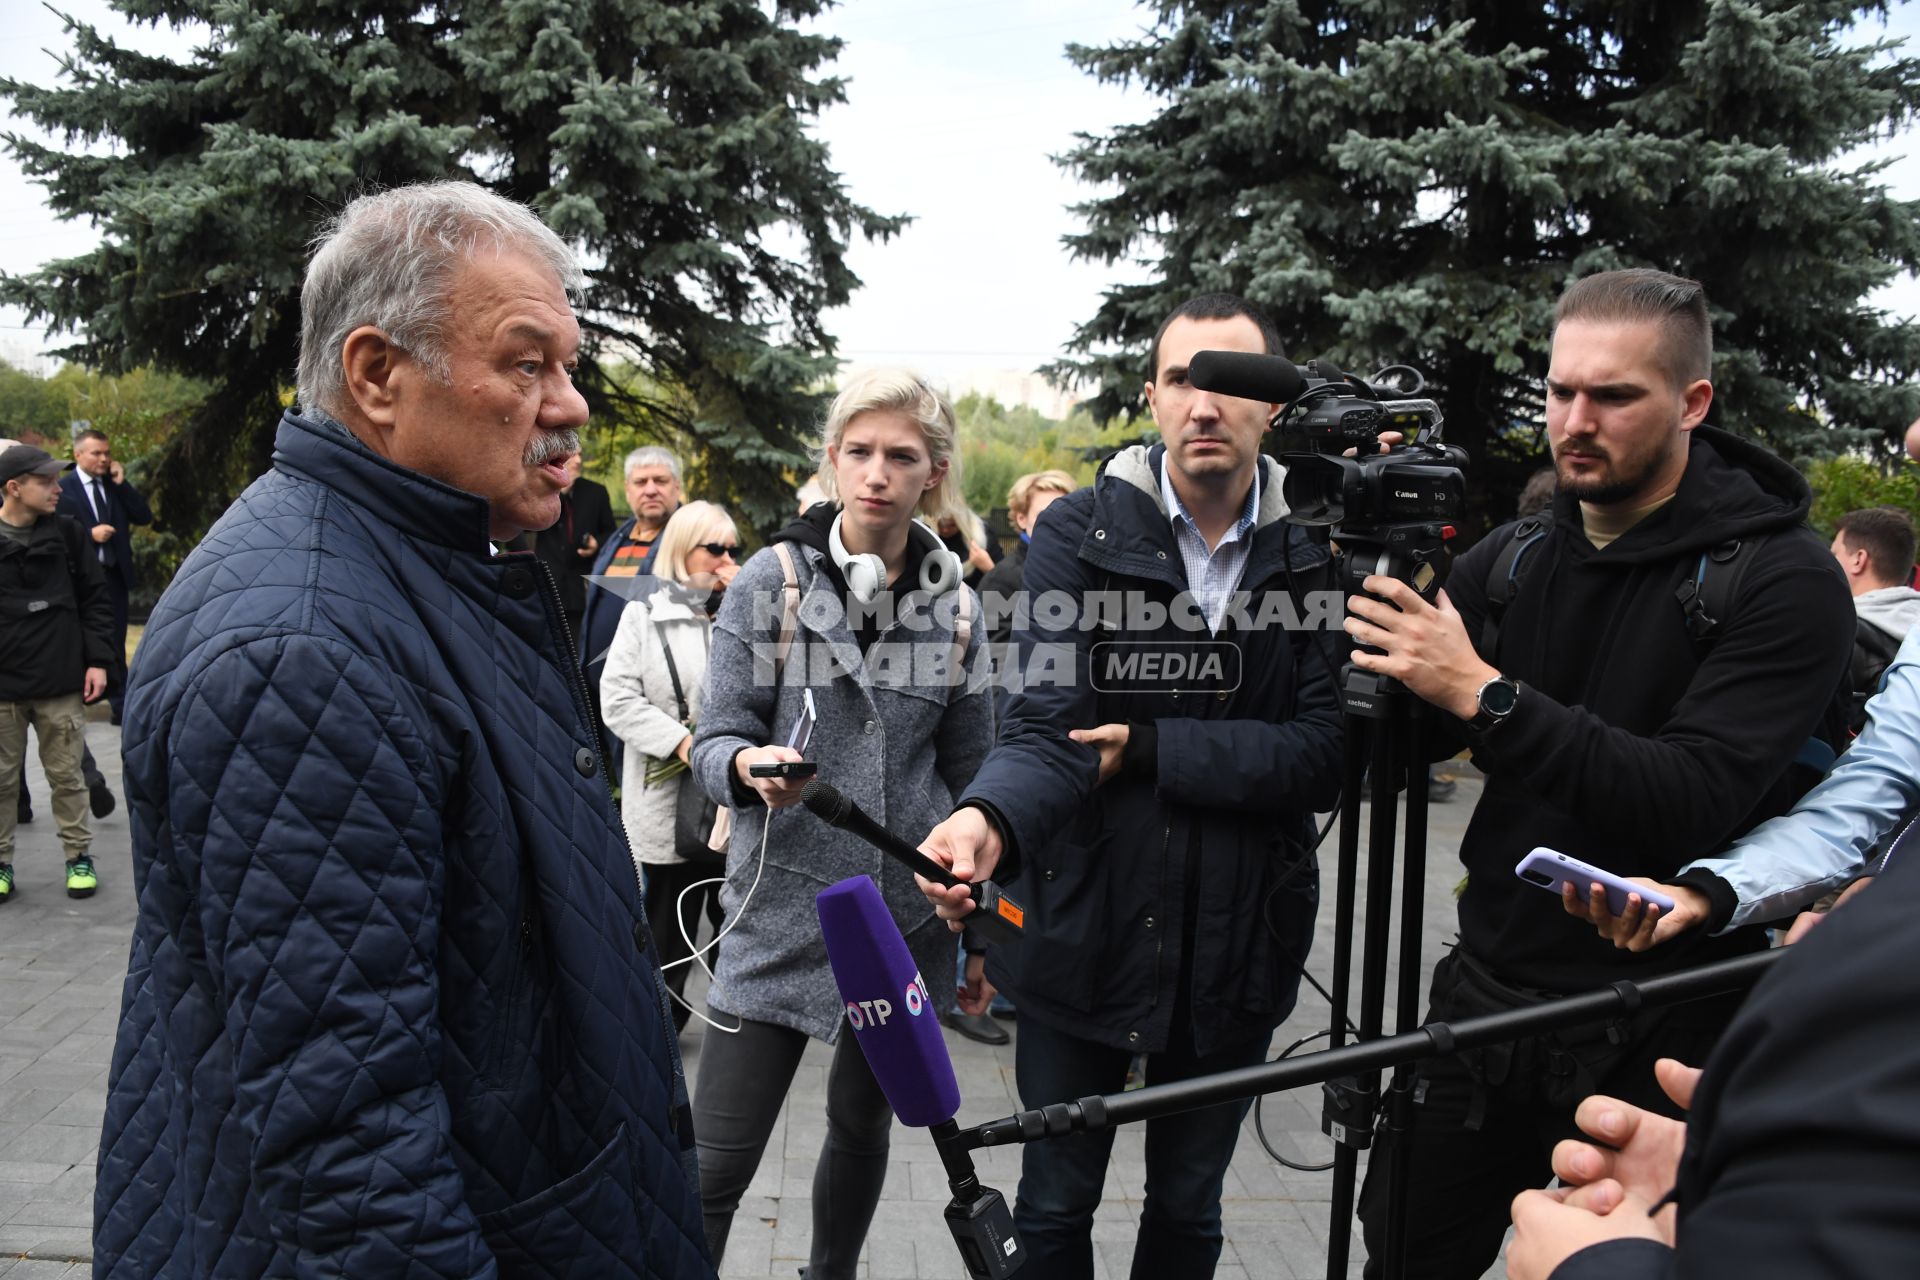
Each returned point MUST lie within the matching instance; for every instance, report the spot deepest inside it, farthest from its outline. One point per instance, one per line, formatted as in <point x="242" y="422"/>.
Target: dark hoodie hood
<point x="1732" y="488"/>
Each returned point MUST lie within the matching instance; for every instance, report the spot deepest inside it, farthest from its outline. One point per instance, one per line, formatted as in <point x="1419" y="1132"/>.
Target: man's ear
<point x="1695" y="401"/>
<point x="368" y="358"/>
<point x="939" y="473"/>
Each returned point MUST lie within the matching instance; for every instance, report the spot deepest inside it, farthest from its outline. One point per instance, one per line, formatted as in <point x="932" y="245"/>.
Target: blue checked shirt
<point x="1212" y="576"/>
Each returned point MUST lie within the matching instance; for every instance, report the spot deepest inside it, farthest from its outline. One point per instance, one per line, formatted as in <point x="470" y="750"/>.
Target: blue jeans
<point x="1187" y="1157"/>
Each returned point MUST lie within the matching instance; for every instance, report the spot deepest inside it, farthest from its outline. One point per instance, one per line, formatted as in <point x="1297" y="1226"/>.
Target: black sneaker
<point x="99" y="798"/>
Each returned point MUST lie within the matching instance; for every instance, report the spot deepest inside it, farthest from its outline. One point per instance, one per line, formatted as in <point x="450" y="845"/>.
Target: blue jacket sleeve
<point x="1825" y="842"/>
<point x="320" y="887"/>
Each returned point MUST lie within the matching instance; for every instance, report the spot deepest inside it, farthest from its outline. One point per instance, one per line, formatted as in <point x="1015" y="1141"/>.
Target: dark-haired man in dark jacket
<point x="1153" y="788"/>
<point x="1616" y="719"/>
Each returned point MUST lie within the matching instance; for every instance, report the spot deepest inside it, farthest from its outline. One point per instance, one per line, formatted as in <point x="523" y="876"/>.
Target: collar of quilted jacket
<point x="315" y="445"/>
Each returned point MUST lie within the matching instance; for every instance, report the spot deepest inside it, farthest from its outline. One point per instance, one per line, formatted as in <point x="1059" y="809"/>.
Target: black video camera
<point x="1391" y="513"/>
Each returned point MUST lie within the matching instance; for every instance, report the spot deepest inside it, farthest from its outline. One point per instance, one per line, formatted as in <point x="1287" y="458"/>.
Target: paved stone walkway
<point x="62" y="962"/>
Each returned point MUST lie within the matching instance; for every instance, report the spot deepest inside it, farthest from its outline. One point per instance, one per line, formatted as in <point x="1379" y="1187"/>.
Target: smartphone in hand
<point x="1549" y="869"/>
<point x="784" y="769"/>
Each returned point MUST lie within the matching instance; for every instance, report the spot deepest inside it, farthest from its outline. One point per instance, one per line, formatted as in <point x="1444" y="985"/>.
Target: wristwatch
<point x="1494" y="702"/>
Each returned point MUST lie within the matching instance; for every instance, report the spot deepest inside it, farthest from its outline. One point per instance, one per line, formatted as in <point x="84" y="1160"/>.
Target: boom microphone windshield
<point x="888" y="1004"/>
<point x="1246" y="374"/>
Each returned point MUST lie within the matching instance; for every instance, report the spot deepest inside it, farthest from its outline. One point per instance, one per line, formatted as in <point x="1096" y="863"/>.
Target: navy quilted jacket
<point x="390" y="1009"/>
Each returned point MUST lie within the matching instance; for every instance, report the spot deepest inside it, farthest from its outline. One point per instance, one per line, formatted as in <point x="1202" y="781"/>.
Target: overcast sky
<point x="955" y="110"/>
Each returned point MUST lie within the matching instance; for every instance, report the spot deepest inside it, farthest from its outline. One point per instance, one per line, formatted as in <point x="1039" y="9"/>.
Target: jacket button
<point x="1100" y="534"/>
<point x="1133" y="1037"/>
<point x="517" y="582"/>
<point x="1221" y="696"/>
<point x="641" y="938"/>
<point x="1161" y="554"/>
<point x="1149" y="922"/>
<point x="868" y="727"/>
<point x="1049" y="873"/>
<point x="583" y="761"/>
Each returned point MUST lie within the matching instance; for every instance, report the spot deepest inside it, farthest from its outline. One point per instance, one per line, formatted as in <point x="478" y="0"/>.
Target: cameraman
<point x="1608" y="728"/>
<point x="1161" y="830"/>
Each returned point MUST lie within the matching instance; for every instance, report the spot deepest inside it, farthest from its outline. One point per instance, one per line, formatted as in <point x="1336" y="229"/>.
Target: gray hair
<point x="386" y="261"/>
<point x="651" y="455"/>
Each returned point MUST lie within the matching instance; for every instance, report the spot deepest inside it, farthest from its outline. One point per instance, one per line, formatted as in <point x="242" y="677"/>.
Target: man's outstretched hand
<point x="967" y="845"/>
<point x="1642" y="924"/>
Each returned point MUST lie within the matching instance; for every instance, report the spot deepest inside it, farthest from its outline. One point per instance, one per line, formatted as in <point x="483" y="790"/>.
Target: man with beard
<point x="1617" y="718"/>
<point x="392" y="1007"/>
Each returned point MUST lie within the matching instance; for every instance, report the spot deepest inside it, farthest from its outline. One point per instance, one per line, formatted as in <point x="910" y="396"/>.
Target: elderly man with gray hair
<point x="392" y="1007"/>
<point x="623" y="571"/>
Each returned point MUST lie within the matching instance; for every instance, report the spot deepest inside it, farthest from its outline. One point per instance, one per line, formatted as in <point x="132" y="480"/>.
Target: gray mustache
<point x="548" y="444"/>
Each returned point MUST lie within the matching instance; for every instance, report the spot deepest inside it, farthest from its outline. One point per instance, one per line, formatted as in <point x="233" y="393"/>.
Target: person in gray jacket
<point x="879" y="637"/>
<point x="1875" y="549"/>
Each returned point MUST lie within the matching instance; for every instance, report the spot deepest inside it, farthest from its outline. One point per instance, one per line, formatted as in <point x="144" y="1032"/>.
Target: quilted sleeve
<point x="320" y="885"/>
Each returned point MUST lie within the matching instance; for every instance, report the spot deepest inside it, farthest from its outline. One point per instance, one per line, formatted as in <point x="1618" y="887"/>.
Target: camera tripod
<point x="1392" y="748"/>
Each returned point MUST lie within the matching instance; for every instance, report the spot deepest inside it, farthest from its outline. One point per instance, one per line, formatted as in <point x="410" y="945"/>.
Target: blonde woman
<point x="877" y="609"/>
<point x="650" y="694"/>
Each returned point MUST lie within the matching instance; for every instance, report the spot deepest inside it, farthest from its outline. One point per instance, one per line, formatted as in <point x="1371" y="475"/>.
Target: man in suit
<point x="96" y="493"/>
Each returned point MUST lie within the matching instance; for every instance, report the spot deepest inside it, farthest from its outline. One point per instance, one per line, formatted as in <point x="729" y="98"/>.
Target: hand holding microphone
<point x="998" y="920"/>
<point x="968" y="847"/>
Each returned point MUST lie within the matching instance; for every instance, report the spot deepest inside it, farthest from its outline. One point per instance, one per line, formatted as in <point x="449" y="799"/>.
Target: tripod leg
<point x="1345" y="1156"/>
<point x="1399" y="1101"/>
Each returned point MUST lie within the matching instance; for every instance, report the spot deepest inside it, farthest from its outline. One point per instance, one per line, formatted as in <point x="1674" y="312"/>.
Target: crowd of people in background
<point x="442" y="778"/>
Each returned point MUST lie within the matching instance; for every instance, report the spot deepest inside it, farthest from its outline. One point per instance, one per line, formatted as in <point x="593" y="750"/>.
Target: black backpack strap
<point x="1503" y="579"/>
<point x="1707" y="599"/>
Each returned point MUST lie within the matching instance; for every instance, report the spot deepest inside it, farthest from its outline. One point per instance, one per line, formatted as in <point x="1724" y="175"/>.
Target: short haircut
<point x="688" y="527"/>
<point x="89" y="433"/>
<point x="1213" y="306"/>
<point x="650" y="455"/>
<point x="1641" y="295"/>
<point x="1886" y="535"/>
<point x="388" y="259"/>
<point x="1037" y="482"/>
<point x="900" y="391"/>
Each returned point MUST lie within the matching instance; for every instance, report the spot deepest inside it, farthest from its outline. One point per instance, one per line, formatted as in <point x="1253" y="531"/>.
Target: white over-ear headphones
<point x="866" y="574"/>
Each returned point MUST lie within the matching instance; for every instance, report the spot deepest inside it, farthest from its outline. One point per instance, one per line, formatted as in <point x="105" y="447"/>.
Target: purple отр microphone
<point x="888" y="1005"/>
<point x="893" y="1018"/>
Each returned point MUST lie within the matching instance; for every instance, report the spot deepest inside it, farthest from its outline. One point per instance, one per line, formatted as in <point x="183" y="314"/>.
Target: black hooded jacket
<point x="56" y="618"/>
<point x="1633" y="746"/>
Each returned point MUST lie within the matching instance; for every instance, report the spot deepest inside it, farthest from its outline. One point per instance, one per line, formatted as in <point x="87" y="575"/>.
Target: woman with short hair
<point x="884" y="643"/>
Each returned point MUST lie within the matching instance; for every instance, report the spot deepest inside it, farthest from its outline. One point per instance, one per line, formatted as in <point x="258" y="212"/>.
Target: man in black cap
<point x="55" y="622"/>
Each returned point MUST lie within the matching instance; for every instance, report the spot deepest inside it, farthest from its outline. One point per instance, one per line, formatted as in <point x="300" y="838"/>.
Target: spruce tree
<point x="666" y="139"/>
<point x="1416" y="182"/>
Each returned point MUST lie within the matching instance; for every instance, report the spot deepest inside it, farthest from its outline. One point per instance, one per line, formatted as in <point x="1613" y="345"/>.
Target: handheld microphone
<point x="1246" y="374"/>
<point x="897" y="1028"/>
<point x="995" y="917"/>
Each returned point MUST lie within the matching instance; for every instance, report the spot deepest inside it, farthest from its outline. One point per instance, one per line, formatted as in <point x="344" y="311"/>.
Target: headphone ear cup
<point x="940" y="572"/>
<point x="866" y="576"/>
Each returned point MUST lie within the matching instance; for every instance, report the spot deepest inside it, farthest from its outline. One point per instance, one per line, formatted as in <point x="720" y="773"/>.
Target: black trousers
<point x="1485" y="1122"/>
<point x="665" y="882"/>
<point x="743" y="1079"/>
<point x="117" y="674"/>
